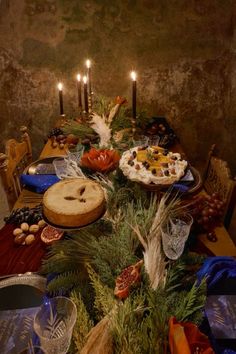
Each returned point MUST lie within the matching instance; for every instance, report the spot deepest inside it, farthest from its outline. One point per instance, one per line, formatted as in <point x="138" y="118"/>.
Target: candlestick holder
<point x="85" y="117"/>
<point x="133" y="122"/>
<point x="90" y="104"/>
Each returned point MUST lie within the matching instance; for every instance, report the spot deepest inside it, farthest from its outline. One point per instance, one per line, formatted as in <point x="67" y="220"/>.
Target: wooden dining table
<point x="15" y="259"/>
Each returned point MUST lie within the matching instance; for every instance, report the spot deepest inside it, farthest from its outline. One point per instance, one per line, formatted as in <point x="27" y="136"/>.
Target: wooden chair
<point x="218" y="179"/>
<point x="17" y="156"/>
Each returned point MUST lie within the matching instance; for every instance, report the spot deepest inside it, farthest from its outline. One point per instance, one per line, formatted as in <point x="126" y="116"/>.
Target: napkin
<point x="216" y="270"/>
<point x="40" y="183"/>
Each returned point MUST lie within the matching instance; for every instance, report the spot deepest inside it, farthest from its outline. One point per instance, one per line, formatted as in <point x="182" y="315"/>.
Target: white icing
<point x="145" y="176"/>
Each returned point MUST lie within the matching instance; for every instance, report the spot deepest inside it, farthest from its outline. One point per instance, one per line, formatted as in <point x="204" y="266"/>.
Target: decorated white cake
<point x="74" y="202"/>
<point x="152" y="164"/>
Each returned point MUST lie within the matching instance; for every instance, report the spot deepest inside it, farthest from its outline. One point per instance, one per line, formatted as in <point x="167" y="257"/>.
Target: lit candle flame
<point x="133" y="75"/>
<point x="78" y="77"/>
<point x="60" y="86"/>
<point x="88" y="63"/>
<point x="85" y="79"/>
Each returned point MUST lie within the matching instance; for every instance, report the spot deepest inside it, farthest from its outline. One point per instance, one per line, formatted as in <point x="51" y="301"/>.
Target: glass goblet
<point x="54" y="324"/>
<point x="174" y="235"/>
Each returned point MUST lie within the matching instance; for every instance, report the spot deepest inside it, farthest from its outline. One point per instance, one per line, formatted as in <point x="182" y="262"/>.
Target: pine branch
<point x="78" y="129"/>
<point x="126" y="326"/>
<point x="104" y="297"/>
<point x="83" y="323"/>
<point x="193" y="302"/>
<point x="64" y="282"/>
<point x="70" y="253"/>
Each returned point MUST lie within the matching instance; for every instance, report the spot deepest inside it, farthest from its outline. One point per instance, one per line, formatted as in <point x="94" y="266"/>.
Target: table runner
<point x="15" y="258"/>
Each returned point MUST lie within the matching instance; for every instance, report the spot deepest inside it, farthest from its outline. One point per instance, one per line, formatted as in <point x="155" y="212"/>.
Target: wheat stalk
<point x="154" y="258"/>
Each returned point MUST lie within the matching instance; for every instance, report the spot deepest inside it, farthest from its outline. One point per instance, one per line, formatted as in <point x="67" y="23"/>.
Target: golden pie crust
<point x="74" y="202"/>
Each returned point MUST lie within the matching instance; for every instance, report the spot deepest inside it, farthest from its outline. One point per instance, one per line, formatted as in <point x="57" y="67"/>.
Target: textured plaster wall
<point x="183" y="50"/>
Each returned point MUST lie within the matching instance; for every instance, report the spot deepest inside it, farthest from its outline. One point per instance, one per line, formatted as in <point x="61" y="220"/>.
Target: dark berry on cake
<point x="131" y="162"/>
<point x="166" y="173"/>
<point x="165" y="152"/>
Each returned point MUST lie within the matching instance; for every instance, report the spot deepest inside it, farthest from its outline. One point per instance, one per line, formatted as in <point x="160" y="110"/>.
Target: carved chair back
<point x="17" y="156"/>
<point x="218" y="179"/>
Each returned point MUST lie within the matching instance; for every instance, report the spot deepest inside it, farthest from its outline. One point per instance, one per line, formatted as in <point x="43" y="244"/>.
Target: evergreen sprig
<point x="83" y="323"/>
<point x="78" y="129"/>
<point x="104" y="298"/>
<point x="126" y="325"/>
<point x="64" y="282"/>
<point x="192" y="303"/>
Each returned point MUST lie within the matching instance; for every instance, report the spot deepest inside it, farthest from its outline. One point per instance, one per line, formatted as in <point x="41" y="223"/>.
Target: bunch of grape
<point x="55" y="132"/>
<point x="207" y="211"/>
<point x="31" y="216"/>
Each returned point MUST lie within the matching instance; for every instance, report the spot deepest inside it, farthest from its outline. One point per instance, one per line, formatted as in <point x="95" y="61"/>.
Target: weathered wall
<point x="183" y="50"/>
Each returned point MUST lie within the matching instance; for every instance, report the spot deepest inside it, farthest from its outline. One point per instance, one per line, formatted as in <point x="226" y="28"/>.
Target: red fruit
<point x="51" y="234"/>
<point x="129" y="277"/>
<point x="205" y="219"/>
<point x="211" y="212"/>
<point x="72" y="139"/>
<point x="204" y="212"/>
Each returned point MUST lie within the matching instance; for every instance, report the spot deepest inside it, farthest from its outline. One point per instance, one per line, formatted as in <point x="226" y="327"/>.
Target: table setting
<point x="110" y="224"/>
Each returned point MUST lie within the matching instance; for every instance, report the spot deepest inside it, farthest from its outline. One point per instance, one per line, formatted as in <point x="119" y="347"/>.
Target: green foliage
<point x="104" y="297"/>
<point x="121" y="121"/>
<point x="142" y="119"/>
<point x="148" y="331"/>
<point x="114" y="253"/>
<point x="90" y="260"/>
<point x="83" y="323"/>
<point x="102" y="105"/>
<point x="69" y="254"/>
<point x="78" y="129"/>
<point x="124" y="192"/>
<point x="126" y="326"/>
<point x="193" y="301"/>
<point x="64" y="282"/>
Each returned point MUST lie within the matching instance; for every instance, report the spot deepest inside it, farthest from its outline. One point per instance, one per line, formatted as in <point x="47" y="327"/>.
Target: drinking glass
<point x="141" y="141"/>
<point x="54" y="324"/>
<point x="174" y="235"/>
<point x="154" y="140"/>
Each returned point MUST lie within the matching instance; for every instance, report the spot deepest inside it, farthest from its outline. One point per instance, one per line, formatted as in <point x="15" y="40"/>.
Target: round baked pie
<point x="74" y="202"/>
<point x="152" y="164"/>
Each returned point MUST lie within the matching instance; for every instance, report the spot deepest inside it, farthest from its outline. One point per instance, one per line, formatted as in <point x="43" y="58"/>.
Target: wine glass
<point x="54" y="323"/>
<point x="174" y="235"/>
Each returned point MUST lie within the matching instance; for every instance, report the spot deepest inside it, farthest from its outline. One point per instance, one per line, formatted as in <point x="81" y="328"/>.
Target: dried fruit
<point x="128" y="278"/>
<point x="29" y="239"/>
<point x="20" y="239"/>
<point x="34" y="228"/>
<point x="41" y="223"/>
<point x="24" y="226"/>
<point x="17" y="232"/>
<point x="51" y="234"/>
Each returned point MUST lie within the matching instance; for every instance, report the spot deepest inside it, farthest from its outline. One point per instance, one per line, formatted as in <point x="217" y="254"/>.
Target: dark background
<point x="184" y="52"/>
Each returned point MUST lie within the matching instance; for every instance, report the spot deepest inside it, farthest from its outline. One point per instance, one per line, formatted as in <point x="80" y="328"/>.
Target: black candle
<point x="79" y="91"/>
<point x="85" y="94"/>
<point x="88" y="64"/>
<point x="134" y="93"/>
<point x="60" y="98"/>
